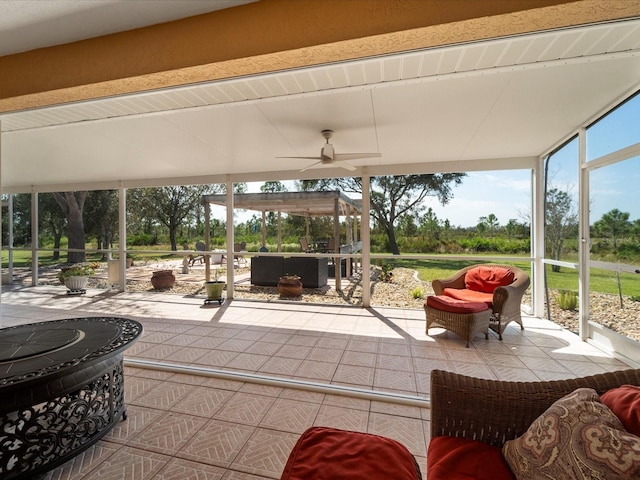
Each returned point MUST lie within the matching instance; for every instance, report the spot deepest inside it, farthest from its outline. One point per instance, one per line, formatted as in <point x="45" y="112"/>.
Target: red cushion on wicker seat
<point x="323" y="453"/>
<point x="469" y="295"/>
<point x="624" y="402"/>
<point x="455" y="458"/>
<point x="453" y="305"/>
<point x="487" y="278"/>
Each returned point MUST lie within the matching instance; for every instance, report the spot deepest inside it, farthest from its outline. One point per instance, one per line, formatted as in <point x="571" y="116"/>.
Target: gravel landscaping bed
<point x="605" y="308"/>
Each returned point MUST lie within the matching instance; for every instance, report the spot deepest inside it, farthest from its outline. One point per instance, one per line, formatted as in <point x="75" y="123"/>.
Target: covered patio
<point x="225" y="392"/>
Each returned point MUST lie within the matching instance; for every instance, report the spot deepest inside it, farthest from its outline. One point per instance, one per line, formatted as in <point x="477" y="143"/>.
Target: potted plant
<point x="76" y="277"/>
<point x="290" y="286"/>
<point x="214" y="287"/>
<point x="162" y="279"/>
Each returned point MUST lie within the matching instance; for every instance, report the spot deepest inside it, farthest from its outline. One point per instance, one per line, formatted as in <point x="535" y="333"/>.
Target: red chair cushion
<point x="323" y="453"/>
<point x="454" y="458"/>
<point x="469" y="295"/>
<point x="486" y="279"/>
<point x="453" y="305"/>
<point x="624" y="402"/>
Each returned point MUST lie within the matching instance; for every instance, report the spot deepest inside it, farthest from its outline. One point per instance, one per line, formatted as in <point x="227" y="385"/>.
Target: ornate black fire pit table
<point x="61" y="389"/>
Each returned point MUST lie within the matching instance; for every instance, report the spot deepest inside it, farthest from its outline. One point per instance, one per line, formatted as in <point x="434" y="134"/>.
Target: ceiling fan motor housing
<point x="327" y="152"/>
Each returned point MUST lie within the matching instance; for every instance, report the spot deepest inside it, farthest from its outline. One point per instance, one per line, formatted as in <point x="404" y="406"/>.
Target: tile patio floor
<point x="209" y="424"/>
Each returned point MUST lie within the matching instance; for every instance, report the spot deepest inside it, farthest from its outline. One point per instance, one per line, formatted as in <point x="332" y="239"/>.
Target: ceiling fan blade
<point x="355" y="156"/>
<point x="305" y="158"/>
<point x="346" y="166"/>
<point x="310" y="166"/>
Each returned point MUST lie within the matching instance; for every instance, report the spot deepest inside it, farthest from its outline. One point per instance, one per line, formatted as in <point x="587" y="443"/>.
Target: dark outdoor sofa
<point x="268" y="270"/>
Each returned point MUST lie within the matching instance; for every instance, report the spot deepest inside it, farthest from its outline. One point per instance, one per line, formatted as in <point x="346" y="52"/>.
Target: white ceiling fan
<point x="328" y="156"/>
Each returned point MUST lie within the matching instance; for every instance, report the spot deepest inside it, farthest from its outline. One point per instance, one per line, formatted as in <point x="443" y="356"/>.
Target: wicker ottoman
<point x="461" y="317"/>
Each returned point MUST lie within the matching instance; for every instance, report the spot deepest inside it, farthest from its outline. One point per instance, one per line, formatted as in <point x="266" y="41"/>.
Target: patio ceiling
<point x="491" y="104"/>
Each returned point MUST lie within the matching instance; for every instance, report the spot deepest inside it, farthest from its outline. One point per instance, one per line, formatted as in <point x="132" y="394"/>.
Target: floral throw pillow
<point x="577" y="437"/>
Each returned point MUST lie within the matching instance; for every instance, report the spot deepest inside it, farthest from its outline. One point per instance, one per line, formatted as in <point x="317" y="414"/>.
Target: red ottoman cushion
<point x="454" y="305"/>
<point x="323" y="453"/>
<point x="469" y="295"/>
<point x="454" y="458"/>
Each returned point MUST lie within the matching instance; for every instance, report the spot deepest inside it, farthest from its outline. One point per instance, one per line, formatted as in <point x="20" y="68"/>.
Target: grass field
<point x="600" y="280"/>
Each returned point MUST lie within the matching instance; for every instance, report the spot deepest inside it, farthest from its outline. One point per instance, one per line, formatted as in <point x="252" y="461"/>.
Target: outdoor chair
<point x="500" y="287"/>
<point x="240" y="247"/>
<point x="200" y="247"/>
<point x="304" y="245"/>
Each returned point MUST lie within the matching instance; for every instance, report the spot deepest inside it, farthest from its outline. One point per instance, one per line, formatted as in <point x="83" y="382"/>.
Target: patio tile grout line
<point x="409" y="400"/>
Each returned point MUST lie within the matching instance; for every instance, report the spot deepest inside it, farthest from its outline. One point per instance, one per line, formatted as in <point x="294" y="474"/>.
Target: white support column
<point x="585" y="237"/>
<point x="365" y="235"/>
<point x="34" y="237"/>
<point x="10" y="244"/>
<point x="337" y="261"/>
<point x="122" y="233"/>
<point x="279" y="231"/>
<point x="230" y="237"/>
<point x="207" y="239"/>
<point x="537" y="238"/>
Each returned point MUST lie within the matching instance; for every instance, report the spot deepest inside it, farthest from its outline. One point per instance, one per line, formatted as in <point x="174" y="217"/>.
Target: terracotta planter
<point x="162" y="279"/>
<point x="214" y="289"/>
<point x="290" y="286"/>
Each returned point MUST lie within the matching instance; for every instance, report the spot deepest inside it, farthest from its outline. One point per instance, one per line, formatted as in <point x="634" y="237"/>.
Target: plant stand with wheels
<point x="214" y="292"/>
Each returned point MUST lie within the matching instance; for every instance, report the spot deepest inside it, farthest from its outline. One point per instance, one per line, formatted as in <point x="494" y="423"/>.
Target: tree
<point x="431" y="224"/>
<point x="490" y="223"/>
<point x="394" y="196"/>
<point x="101" y="211"/>
<point x="561" y="221"/>
<point x="273" y="187"/>
<point x="172" y="205"/>
<point x="52" y="219"/>
<point x="614" y="224"/>
<point x="72" y="205"/>
<point x="512" y="227"/>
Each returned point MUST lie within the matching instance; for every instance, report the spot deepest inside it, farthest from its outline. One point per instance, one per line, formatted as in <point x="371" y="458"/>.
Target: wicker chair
<point x="494" y="411"/>
<point x="506" y="300"/>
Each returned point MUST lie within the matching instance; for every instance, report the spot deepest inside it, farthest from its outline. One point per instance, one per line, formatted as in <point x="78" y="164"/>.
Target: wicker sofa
<point x="472" y="418"/>
<point x="488" y="283"/>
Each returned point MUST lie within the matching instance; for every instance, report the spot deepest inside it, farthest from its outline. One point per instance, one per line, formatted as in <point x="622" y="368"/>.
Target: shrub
<point x="142" y="239"/>
<point x="417" y="292"/>
<point x="386" y="267"/>
<point x="567" y="299"/>
<point x="78" y="270"/>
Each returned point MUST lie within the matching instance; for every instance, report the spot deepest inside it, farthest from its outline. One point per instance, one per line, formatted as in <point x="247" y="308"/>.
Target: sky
<point x="507" y="194"/>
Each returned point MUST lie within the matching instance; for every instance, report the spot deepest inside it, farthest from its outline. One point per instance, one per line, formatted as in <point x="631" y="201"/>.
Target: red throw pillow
<point x="624" y="402"/>
<point x="323" y="453"/>
<point x="486" y="279"/>
<point x="454" y="458"/>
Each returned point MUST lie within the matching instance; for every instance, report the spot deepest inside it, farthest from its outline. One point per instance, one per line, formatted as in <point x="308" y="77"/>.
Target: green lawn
<point x="601" y="280"/>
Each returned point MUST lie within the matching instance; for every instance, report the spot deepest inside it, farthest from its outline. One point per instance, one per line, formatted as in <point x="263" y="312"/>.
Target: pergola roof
<point x="311" y="204"/>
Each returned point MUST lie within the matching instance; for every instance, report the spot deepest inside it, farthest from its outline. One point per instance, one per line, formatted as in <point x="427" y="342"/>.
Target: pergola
<point x="306" y="204"/>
